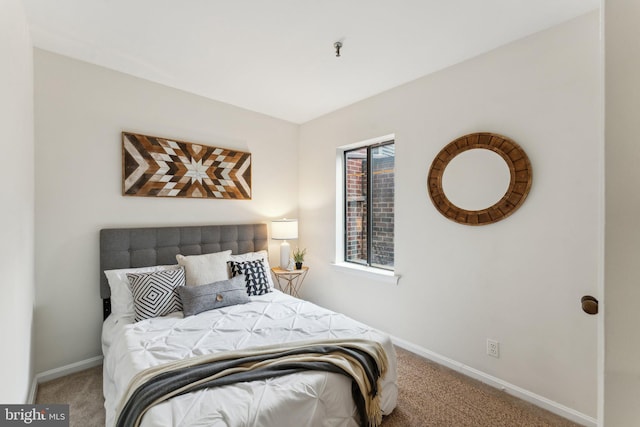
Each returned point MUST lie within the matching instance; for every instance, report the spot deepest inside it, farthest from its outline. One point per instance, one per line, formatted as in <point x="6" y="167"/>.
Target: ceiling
<point x="277" y="57"/>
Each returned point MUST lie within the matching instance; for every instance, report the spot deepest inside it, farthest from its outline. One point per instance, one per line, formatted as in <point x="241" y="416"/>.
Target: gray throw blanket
<point x="363" y="360"/>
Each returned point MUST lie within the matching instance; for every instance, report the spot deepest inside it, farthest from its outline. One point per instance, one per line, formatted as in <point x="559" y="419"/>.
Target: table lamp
<point x="284" y="229"/>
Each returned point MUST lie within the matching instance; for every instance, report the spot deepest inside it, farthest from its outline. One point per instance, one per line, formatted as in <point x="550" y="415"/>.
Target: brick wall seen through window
<point x="369" y="205"/>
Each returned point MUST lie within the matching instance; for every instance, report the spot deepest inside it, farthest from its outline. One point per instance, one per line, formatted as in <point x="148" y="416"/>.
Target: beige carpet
<point x="430" y="396"/>
<point x="82" y="391"/>
<point x="435" y="396"/>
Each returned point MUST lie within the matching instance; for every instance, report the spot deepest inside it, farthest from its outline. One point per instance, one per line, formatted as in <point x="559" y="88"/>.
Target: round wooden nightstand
<point x="290" y="281"/>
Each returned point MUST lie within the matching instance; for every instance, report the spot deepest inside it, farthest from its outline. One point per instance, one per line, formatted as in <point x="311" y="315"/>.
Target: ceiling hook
<point x="337" y="45"/>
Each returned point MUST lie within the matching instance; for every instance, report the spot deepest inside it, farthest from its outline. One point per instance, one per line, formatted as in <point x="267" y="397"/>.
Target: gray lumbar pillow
<point x="196" y="299"/>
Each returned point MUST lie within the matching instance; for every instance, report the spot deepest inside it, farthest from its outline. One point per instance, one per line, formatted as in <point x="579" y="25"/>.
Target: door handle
<point x="589" y="304"/>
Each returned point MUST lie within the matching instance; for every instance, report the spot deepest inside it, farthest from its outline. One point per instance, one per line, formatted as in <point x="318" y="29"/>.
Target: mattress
<point x="311" y="398"/>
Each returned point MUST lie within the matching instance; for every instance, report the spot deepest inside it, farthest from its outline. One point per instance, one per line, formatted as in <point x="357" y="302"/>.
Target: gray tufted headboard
<point x="144" y="247"/>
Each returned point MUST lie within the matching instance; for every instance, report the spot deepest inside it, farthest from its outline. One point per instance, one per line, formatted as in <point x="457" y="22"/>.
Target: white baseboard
<point x="542" y="402"/>
<point x="72" y="368"/>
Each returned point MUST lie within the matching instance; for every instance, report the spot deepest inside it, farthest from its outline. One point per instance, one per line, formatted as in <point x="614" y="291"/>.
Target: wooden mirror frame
<point x="519" y="185"/>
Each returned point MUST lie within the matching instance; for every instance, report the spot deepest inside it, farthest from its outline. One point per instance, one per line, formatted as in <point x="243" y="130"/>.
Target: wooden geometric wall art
<point x="160" y="167"/>
<point x="519" y="185"/>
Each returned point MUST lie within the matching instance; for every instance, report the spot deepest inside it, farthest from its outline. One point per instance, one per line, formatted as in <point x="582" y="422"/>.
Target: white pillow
<point x="206" y="268"/>
<point x="252" y="256"/>
<point x="121" y="296"/>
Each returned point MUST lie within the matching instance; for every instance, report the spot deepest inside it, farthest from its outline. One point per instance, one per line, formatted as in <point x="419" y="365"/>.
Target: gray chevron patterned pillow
<point x="254" y="274"/>
<point x="156" y="294"/>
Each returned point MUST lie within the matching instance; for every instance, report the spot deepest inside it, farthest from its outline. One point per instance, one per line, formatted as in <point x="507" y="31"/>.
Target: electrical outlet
<point x="493" y="348"/>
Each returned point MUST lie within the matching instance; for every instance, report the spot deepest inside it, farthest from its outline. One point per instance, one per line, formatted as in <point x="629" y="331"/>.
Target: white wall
<point x="518" y="281"/>
<point x="622" y="269"/>
<point x="80" y="110"/>
<point x="17" y="195"/>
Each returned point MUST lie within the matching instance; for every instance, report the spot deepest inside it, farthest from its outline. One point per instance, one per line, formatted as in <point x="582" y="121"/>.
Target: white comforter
<point x="303" y="399"/>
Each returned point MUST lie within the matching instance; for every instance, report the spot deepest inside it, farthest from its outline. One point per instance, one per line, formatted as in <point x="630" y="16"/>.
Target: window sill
<point x="378" y="274"/>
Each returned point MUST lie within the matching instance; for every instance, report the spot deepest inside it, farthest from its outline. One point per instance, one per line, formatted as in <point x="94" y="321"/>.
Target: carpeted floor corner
<point x="82" y="391"/>
<point x="430" y="395"/>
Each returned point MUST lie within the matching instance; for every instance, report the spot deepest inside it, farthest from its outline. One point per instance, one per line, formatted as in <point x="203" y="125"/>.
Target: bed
<point x="307" y="398"/>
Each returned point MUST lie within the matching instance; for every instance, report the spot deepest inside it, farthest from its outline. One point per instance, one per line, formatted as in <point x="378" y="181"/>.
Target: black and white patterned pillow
<point x="156" y="294"/>
<point x="254" y="274"/>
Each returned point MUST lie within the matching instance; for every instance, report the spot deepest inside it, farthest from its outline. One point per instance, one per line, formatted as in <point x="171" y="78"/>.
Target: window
<point x="369" y="205"/>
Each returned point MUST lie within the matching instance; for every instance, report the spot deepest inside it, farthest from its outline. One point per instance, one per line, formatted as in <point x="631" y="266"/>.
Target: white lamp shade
<point x="284" y="229"/>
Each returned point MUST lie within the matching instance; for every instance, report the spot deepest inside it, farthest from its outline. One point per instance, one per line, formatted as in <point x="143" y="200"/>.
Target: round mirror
<point x="476" y="179"/>
<point x="479" y="178"/>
